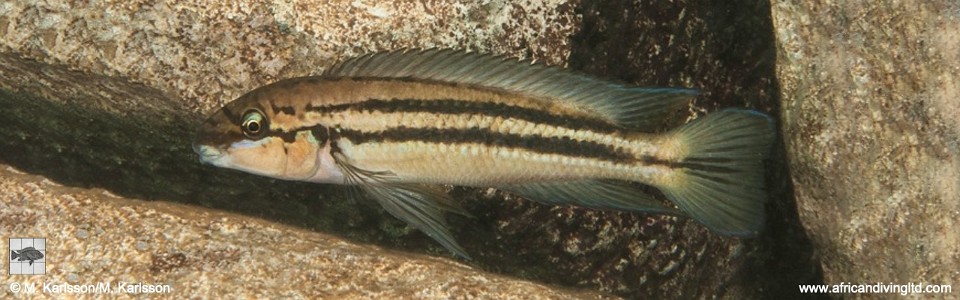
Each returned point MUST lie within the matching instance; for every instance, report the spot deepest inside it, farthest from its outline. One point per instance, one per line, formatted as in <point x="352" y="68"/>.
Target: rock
<point x="732" y="63"/>
<point x="187" y="48"/>
<point x="95" y="236"/>
<point x="141" y="76"/>
<point x="870" y="118"/>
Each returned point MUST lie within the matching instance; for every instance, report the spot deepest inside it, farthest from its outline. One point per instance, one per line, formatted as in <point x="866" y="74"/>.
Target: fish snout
<point x="208" y="154"/>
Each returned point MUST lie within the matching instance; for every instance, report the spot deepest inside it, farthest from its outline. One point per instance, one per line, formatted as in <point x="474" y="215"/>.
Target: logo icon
<point x="27" y="256"/>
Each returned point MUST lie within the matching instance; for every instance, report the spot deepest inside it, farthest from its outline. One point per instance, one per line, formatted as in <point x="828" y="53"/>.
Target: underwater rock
<point x="204" y="55"/>
<point x="94" y="236"/>
<point x="871" y="119"/>
<point x="89" y="127"/>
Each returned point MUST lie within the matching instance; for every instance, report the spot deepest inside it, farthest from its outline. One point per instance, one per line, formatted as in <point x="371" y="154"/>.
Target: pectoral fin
<point x="420" y="205"/>
<point x="599" y="194"/>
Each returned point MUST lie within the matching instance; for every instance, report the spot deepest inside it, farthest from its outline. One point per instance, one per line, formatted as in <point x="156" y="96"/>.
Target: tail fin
<point x="13" y="255"/>
<point x="720" y="179"/>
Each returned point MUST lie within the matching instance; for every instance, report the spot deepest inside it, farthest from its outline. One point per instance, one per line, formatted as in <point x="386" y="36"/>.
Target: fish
<point x="402" y="125"/>
<point x="29" y="253"/>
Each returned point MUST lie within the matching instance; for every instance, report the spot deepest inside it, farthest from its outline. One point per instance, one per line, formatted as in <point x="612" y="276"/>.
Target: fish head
<point x="249" y="134"/>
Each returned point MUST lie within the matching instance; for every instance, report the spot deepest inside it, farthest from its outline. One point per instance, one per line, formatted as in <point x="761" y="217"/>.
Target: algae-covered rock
<point x="870" y="117"/>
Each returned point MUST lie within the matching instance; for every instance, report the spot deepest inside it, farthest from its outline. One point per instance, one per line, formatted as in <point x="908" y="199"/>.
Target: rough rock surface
<point x="94" y="236"/>
<point x="871" y="118"/>
<point x="92" y="128"/>
<point x="205" y="54"/>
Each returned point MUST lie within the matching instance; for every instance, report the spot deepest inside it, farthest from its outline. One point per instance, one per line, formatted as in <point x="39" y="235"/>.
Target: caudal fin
<point x="13" y="255"/>
<point x="720" y="179"/>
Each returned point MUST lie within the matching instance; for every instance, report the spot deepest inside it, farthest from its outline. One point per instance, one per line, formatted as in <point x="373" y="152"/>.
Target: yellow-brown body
<point x="398" y="124"/>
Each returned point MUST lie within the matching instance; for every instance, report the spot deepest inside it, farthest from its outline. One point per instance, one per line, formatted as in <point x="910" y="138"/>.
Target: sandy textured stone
<point x="870" y="116"/>
<point x="187" y="47"/>
<point x="95" y="236"/>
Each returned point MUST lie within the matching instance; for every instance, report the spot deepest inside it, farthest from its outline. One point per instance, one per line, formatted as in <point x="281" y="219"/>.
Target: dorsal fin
<point x="629" y="107"/>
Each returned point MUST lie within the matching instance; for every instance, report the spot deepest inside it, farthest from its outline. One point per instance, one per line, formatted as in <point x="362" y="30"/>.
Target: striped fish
<point x="400" y="125"/>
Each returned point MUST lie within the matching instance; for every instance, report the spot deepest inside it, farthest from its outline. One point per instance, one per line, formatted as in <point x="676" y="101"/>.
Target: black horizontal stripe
<point x="692" y="163"/>
<point x="484" y="136"/>
<point x="458" y="107"/>
<point x="319" y="132"/>
<point x="284" y="109"/>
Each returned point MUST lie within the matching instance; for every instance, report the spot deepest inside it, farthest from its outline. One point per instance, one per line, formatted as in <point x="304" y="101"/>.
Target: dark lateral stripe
<point x="534" y="143"/>
<point x="701" y="164"/>
<point x="490" y="109"/>
<point x="284" y="109"/>
<point x="319" y="132"/>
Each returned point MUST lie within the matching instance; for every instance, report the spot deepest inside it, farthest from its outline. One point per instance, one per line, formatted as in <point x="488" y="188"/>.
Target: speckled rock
<point x="90" y="127"/>
<point x="871" y="118"/>
<point x="94" y="236"/>
<point x="205" y="54"/>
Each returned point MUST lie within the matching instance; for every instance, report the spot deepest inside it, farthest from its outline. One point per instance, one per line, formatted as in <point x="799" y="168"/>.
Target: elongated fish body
<point x="399" y="125"/>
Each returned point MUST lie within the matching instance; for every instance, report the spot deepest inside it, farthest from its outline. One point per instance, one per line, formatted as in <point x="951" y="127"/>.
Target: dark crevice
<point x="727" y="50"/>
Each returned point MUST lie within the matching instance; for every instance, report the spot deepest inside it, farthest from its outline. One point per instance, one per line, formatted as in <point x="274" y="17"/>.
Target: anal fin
<point x="591" y="193"/>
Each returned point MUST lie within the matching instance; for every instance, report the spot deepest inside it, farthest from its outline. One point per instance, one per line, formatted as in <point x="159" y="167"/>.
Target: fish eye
<point x="254" y="124"/>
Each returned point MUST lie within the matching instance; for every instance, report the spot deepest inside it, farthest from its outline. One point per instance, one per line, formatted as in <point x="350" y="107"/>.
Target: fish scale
<point x="485" y="169"/>
<point x="400" y="125"/>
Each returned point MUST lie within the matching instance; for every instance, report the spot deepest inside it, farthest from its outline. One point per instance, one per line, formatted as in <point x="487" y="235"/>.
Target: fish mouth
<point x="208" y="154"/>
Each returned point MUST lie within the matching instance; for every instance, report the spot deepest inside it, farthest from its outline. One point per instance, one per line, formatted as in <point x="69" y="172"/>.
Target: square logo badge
<point x="28" y="256"/>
